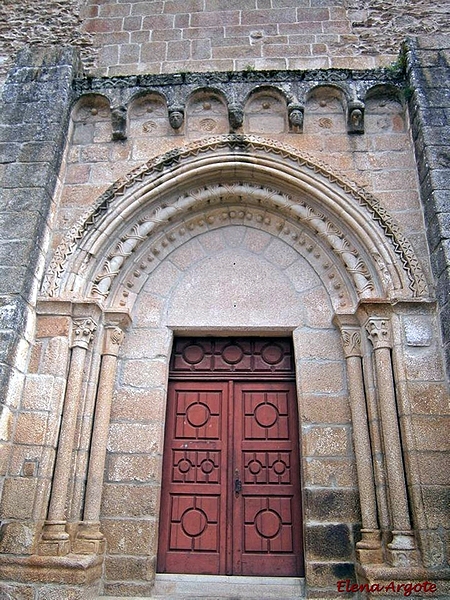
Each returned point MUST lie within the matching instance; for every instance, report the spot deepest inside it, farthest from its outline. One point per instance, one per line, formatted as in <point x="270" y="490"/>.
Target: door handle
<point x="237" y="483"/>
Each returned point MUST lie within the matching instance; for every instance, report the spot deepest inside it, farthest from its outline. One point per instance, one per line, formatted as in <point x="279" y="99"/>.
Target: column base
<point x="89" y="540"/>
<point x="54" y="540"/>
<point x="402" y="551"/>
<point x="368" y="549"/>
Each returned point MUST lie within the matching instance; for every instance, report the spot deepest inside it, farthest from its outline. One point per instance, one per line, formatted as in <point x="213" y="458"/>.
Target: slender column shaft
<point x="54" y="527"/>
<point x="361" y="438"/>
<point x="391" y="435"/>
<point x="100" y="432"/>
<point x="89" y="536"/>
<point x="370" y="541"/>
<point x="61" y="474"/>
<point x="379" y="335"/>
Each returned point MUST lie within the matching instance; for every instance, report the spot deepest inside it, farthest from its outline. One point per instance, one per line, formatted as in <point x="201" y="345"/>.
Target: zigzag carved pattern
<point x="401" y="245"/>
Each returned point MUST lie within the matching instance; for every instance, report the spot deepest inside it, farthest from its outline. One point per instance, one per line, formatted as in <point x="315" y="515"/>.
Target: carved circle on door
<point x="193" y="354"/>
<point x="272" y="354"/>
<point x="279" y="467"/>
<point x="184" y="465"/>
<point x="232" y="354"/>
<point x="197" y="414"/>
<point x="207" y="466"/>
<point x="254" y="466"/>
<point x="267" y="523"/>
<point x="266" y="414"/>
<point x="193" y="522"/>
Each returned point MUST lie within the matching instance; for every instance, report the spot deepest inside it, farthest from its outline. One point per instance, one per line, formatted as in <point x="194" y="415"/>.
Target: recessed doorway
<point x="231" y="502"/>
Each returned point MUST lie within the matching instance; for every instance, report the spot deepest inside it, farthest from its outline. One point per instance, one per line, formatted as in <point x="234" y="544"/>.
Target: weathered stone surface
<point x="324" y="409"/>
<point x="17" y="592"/>
<point x="323" y="472"/>
<point x="133" y="568"/>
<point x="325" y="574"/>
<point x="139" y="468"/>
<point x="136" y="437"/>
<point x="18" y="498"/>
<point x="131" y="537"/>
<point x="140" y="500"/>
<point x="328" y="542"/>
<point x="326" y="441"/>
<point x="17" y="538"/>
<point x="332" y="505"/>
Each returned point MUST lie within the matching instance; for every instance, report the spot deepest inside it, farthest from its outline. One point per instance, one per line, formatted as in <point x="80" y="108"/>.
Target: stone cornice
<point x="315" y="76"/>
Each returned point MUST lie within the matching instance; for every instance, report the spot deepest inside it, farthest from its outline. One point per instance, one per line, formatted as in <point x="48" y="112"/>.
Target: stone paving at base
<point x="209" y="587"/>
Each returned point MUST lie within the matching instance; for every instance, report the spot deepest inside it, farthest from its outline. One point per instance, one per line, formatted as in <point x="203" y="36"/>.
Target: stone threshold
<point x="221" y="587"/>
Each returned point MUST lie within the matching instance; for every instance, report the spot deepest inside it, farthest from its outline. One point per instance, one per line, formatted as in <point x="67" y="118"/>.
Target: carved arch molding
<point x="348" y="237"/>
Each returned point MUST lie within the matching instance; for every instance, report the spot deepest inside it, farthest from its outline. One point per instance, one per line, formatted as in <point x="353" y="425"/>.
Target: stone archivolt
<point x="213" y="204"/>
<point x="377" y="257"/>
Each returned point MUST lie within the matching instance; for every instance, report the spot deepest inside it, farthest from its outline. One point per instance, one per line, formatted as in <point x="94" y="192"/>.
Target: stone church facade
<point x="224" y="296"/>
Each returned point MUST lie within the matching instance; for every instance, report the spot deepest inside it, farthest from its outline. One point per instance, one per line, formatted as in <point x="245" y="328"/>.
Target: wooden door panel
<point x="266" y="456"/>
<point x="231" y="492"/>
<point x="267" y="467"/>
<point x="193" y="519"/>
<point x="266" y="415"/>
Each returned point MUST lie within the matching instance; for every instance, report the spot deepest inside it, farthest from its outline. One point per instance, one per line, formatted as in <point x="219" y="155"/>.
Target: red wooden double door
<point x="231" y="492"/>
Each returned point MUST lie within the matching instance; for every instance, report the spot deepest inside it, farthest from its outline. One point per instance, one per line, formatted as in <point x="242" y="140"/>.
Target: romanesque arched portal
<point x="237" y="236"/>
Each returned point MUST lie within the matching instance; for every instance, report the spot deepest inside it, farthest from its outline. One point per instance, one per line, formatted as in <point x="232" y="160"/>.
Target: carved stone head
<point x="295" y="116"/>
<point x="119" y="123"/>
<point x="355" y="122"/>
<point x="235" y="115"/>
<point x="176" y="116"/>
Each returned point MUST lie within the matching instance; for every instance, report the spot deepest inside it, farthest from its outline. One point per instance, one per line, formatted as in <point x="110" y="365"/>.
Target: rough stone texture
<point x="51" y="23"/>
<point x="219" y="277"/>
<point x="429" y="73"/>
<point x="35" y="108"/>
<point x="172" y="35"/>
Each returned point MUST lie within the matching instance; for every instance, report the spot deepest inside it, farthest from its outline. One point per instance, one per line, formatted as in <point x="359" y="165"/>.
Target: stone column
<point x="90" y="539"/>
<point x="55" y="539"/>
<point x="402" y="548"/>
<point x="368" y="549"/>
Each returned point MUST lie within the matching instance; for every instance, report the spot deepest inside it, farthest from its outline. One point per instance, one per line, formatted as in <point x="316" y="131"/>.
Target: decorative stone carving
<point x="392" y="232"/>
<point x="114" y="336"/>
<point x="298" y="210"/>
<point x="351" y="339"/>
<point x="83" y="332"/>
<point x="235" y="115"/>
<point x="355" y="117"/>
<point x="119" y="123"/>
<point x="176" y="116"/>
<point x="296" y="116"/>
<point x="379" y="334"/>
<point x="273" y="77"/>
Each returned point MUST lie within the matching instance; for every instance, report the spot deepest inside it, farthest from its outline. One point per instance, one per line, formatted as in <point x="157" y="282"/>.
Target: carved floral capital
<point x="113" y="338"/>
<point x="379" y="334"/>
<point x="351" y="340"/>
<point x="83" y="332"/>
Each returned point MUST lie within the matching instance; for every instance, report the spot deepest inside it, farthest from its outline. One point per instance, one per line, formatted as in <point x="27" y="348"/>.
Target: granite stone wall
<point x="127" y="37"/>
<point x="33" y="128"/>
<point x="429" y="76"/>
<point x="66" y="138"/>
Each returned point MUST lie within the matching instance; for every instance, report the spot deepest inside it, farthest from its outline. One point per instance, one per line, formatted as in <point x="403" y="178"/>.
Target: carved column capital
<point x="113" y="338"/>
<point x="379" y="332"/>
<point x="351" y="341"/>
<point x="83" y="332"/>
